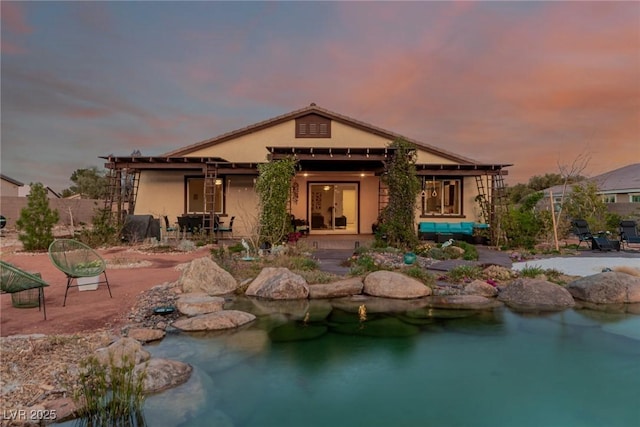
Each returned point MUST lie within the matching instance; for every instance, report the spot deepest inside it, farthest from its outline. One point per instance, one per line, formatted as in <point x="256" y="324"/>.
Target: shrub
<point x="363" y="264"/>
<point x="524" y="224"/>
<point x="237" y="248"/>
<point x="37" y="220"/>
<point x="102" y="232"/>
<point x="437" y="253"/>
<point x="298" y="263"/>
<point x="316" y="276"/>
<point x="532" y="271"/>
<point x="470" y="251"/>
<point x="464" y="272"/>
<point x="419" y="273"/>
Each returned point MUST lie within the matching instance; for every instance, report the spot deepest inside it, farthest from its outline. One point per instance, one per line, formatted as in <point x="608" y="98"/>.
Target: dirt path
<point x="89" y="310"/>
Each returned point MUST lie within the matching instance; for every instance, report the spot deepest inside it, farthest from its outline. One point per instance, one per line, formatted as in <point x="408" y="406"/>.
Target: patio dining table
<point x="192" y="223"/>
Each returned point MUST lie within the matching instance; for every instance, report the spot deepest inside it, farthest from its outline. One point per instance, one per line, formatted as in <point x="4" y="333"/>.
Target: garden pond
<point x="426" y="367"/>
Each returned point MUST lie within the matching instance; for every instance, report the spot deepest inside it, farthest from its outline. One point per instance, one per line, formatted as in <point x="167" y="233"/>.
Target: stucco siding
<point x="426" y="157"/>
<point x="161" y="193"/>
<point x="242" y="202"/>
<point x="252" y="148"/>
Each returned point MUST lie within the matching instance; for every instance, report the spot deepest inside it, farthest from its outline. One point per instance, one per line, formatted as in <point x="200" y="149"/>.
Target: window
<point x="196" y="195"/>
<point x="441" y="197"/>
<point x="313" y="126"/>
<point x="634" y="198"/>
<point x="609" y="198"/>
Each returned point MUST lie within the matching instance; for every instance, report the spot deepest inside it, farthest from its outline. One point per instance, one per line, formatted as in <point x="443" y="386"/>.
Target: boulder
<point x="196" y="303"/>
<point x="218" y="320"/>
<point x="145" y="334"/>
<point x="341" y="288"/>
<point x="124" y="350"/>
<point x="388" y="284"/>
<point x="204" y="275"/>
<point x="161" y="374"/>
<point x="64" y="408"/>
<point x="278" y="283"/>
<point x="536" y="295"/>
<point x="607" y="288"/>
<point x="481" y="288"/>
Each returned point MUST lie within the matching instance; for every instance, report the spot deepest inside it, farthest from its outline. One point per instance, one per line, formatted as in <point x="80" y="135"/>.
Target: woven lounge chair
<point x="18" y="282"/>
<point x="77" y="260"/>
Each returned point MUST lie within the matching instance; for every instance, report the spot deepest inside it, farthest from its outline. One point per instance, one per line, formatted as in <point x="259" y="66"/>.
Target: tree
<point x="398" y="217"/>
<point x="37" y="220"/>
<point x="518" y="192"/>
<point x="273" y="187"/>
<point x="584" y="202"/>
<point x="524" y="224"/>
<point x="89" y="183"/>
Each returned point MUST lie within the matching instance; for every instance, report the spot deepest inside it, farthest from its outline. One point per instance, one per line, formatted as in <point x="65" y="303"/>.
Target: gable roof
<point x="622" y="180"/>
<point x="11" y="180"/>
<point x="314" y="109"/>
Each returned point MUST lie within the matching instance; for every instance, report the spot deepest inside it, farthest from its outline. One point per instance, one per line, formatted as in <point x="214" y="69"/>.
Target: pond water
<point x="423" y="367"/>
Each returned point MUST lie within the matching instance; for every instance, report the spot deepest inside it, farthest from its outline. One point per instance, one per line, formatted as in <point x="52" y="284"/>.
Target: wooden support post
<point x="553" y="221"/>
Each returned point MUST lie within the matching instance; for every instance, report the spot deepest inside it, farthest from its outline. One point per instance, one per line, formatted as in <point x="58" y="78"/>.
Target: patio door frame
<point x="318" y="205"/>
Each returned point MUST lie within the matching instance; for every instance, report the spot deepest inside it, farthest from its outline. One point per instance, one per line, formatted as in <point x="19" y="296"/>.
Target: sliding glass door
<point x="333" y="207"/>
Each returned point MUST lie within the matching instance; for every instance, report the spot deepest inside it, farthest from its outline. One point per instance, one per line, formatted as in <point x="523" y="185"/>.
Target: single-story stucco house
<point x="337" y="187"/>
<point x="619" y="189"/>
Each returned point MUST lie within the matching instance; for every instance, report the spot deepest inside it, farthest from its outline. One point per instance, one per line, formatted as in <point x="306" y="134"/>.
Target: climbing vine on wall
<point x="398" y="217"/>
<point x="274" y="188"/>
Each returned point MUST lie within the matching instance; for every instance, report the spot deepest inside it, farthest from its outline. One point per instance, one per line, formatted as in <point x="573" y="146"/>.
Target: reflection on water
<point x="419" y="367"/>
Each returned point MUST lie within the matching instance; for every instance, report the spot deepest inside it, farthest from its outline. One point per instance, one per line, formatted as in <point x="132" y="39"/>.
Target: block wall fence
<point x="76" y="210"/>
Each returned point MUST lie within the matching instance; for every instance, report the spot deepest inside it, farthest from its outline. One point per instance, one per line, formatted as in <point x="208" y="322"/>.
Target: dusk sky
<point x="528" y="83"/>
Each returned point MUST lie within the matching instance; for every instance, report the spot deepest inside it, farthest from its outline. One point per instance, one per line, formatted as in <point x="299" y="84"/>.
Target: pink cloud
<point x="15" y="27"/>
<point x="13" y="18"/>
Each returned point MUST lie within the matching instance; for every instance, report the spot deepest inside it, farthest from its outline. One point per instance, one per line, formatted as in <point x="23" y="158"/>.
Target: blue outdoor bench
<point x="442" y="231"/>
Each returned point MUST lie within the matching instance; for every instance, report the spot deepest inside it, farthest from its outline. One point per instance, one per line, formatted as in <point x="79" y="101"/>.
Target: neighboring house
<point x="10" y="186"/>
<point x="619" y="188"/>
<point x="337" y="187"/>
<point x="26" y="190"/>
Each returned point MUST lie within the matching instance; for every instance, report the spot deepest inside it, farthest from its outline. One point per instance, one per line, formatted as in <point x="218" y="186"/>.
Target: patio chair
<point x="581" y="230"/>
<point x="222" y="229"/>
<point x="170" y="231"/>
<point x="77" y="261"/>
<point x="628" y="232"/>
<point x="18" y="282"/>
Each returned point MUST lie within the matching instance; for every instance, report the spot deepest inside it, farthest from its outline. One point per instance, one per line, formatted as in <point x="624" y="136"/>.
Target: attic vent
<point x="313" y="126"/>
